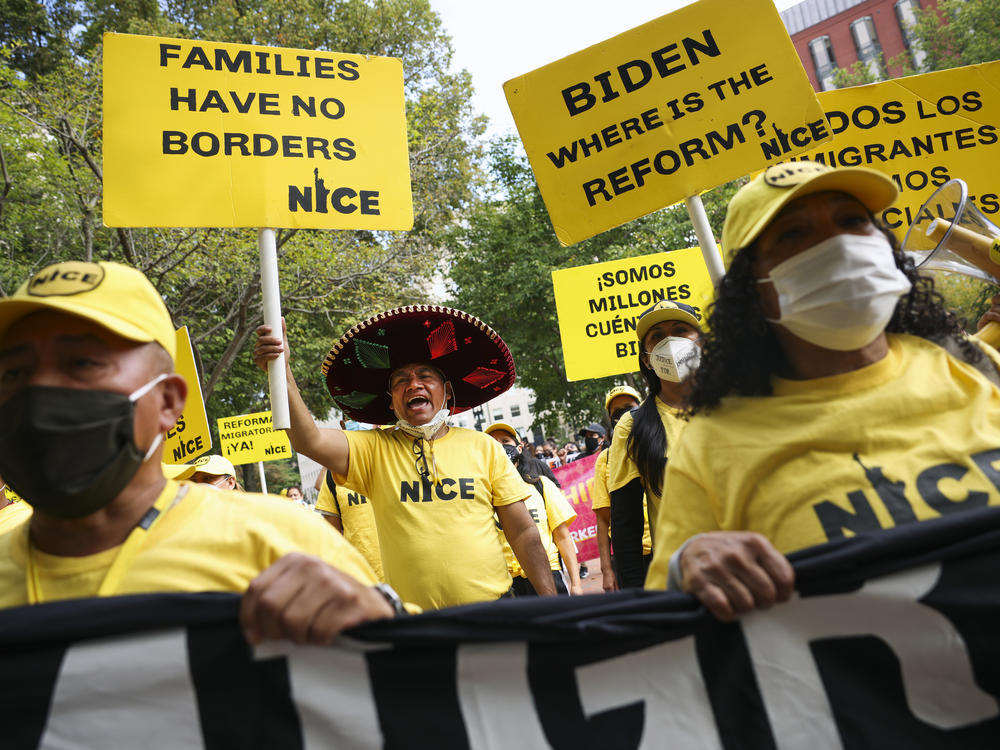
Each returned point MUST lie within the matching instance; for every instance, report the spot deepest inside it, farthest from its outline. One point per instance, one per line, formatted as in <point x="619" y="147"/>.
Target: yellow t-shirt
<point x="602" y="498"/>
<point x="356" y="517"/>
<point x="439" y="542"/>
<point x="622" y="469"/>
<point x="211" y="540"/>
<point x="913" y="436"/>
<point x="13" y="515"/>
<point x="548" y="513"/>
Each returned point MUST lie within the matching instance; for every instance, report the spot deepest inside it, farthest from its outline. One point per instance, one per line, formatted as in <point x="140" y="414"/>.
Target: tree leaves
<point x="50" y="132"/>
<point x="502" y="257"/>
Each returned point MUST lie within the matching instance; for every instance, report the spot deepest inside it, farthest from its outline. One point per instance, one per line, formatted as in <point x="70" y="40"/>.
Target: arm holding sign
<point x="733" y="572"/>
<point x="730" y="572"/>
<point x="306" y="600"/>
<point x="328" y="446"/>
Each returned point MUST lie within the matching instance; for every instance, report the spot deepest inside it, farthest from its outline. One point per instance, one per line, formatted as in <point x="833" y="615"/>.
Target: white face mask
<point x="425" y="431"/>
<point x="841" y="293"/>
<point x="675" y="358"/>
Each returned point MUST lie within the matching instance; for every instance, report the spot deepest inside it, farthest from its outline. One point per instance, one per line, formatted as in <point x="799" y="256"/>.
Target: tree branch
<point x="7" y="184"/>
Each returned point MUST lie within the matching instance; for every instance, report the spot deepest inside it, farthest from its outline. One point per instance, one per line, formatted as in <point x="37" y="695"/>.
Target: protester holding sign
<point x="618" y="402"/>
<point x="87" y="392"/>
<point x="836" y="396"/>
<point x="669" y="333"/>
<point x="433" y="488"/>
<point x="551" y="512"/>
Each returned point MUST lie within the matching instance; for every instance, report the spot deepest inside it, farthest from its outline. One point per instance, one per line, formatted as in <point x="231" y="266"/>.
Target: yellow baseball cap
<point x="118" y="297"/>
<point x="665" y="311"/>
<point x="621" y="390"/>
<point x="214" y="464"/>
<point x="502" y="426"/>
<point x="759" y="201"/>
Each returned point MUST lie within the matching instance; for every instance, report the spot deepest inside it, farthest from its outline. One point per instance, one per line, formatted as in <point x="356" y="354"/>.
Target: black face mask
<point x="616" y="417"/>
<point x="512" y="453"/>
<point x="591" y="443"/>
<point x="67" y="451"/>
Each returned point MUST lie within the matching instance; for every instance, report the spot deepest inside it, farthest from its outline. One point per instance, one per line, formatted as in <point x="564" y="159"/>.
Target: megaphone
<point x="951" y="234"/>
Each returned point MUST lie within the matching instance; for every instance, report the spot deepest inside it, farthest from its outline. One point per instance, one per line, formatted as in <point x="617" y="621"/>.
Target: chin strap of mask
<point x="139" y="393"/>
<point x="425" y="434"/>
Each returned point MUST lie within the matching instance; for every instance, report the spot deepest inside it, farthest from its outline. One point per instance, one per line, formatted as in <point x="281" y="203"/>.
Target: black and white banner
<point x="892" y="641"/>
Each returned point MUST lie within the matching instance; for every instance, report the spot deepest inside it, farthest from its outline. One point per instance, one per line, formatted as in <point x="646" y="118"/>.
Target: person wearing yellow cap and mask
<point x="87" y="392"/>
<point x="433" y="488"/>
<point x="618" y="402"/>
<point x="670" y="335"/>
<point x="214" y="469"/>
<point x="551" y="512"/>
<point x="836" y="395"/>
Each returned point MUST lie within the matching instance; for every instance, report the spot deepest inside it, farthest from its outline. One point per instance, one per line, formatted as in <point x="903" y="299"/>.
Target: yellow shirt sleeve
<point x="326" y="502"/>
<point x="683" y="521"/>
<point x="557" y="507"/>
<point x="13" y="515"/>
<point x="361" y="446"/>
<point x="600" y="497"/>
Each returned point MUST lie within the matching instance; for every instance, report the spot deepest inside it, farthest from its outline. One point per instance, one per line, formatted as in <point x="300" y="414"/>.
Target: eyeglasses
<point x="420" y="459"/>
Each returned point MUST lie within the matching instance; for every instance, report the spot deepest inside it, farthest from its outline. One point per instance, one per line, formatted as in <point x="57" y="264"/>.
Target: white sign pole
<point x="696" y="210"/>
<point x="272" y="317"/>
<point x="263" y="482"/>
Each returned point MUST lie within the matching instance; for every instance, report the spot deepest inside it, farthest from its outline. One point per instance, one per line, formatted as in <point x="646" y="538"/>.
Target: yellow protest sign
<point x="190" y="436"/>
<point x="249" y="438"/>
<point x="921" y="131"/>
<point x="598" y="304"/>
<point x="662" y="112"/>
<point x="208" y="134"/>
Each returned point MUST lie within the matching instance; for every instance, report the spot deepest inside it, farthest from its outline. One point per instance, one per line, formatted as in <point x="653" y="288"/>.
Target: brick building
<point x="831" y="34"/>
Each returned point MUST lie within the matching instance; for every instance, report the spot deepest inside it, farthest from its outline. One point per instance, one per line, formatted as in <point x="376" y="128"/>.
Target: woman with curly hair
<point x="836" y="395"/>
<point x="643" y="440"/>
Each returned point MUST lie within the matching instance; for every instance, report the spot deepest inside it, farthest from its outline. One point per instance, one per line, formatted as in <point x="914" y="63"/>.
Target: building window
<point x="515" y="410"/>
<point x="906" y="14"/>
<point x="497" y="414"/>
<point x="866" y="42"/>
<point x="823" y="61"/>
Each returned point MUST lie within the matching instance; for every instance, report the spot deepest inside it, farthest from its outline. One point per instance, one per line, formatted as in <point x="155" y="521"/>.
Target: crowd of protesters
<point x="825" y="354"/>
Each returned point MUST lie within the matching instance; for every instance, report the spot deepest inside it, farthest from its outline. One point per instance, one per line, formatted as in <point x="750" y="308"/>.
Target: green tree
<point x="952" y="34"/>
<point x="502" y="257"/>
<point x="50" y="141"/>
<point x="37" y="34"/>
<point x="860" y="73"/>
<point x="958" y="32"/>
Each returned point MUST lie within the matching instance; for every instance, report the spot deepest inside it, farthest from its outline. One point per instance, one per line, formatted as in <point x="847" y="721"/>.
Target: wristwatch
<point x="392" y="597"/>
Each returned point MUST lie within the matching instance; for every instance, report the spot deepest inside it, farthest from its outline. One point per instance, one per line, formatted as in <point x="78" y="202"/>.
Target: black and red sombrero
<point x="470" y="354"/>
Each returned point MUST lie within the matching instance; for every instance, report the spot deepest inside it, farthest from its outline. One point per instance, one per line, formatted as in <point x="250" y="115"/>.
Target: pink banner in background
<point x="577" y="480"/>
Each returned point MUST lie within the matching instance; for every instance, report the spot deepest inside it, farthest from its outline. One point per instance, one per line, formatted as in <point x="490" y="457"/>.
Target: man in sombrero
<point x="433" y="488"/>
